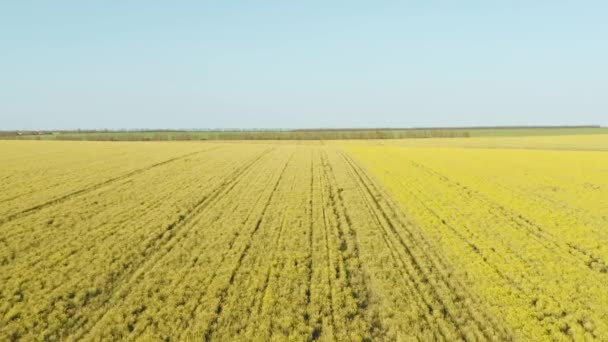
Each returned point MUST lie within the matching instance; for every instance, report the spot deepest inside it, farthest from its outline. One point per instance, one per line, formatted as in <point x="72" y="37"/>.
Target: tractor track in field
<point x="540" y="234"/>
<point x="231" y="243"/>
<point x="443" y="263"/>
<point x="96" y="186"/>
<point x="349" y="257"/>
<point x="464" y="239"/>
<point x="516" y="285"/>
<point x="131" y="268"/>
<point x="208" y="333"/>
<point x="525" y="287"/>
<point x="420" y="271"/>
<point x="422" y="304"/>
<point x="269" y="271"/>
<point x="536" y="233"/>
<point x="309" y="264"/>
<point x="150" y="256"/>
<point x="92" y="235"/>
<point x="328" y="256"/>
<point x="183" y="326"/>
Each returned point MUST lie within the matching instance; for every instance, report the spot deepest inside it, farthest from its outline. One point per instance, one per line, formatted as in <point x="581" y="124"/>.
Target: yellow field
<point x="528" y="229"/>
<point x="588" y="142"/>
<point x="308" y="241"/>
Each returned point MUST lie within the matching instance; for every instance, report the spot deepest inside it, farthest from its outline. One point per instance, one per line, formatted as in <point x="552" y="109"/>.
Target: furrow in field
<point x="242" y="303"/>
<point x="516" y="276"/>
<point x="539" y="243"/>
<point x="415" y="285"/>
<point x="310" y="254"/>
<point x="153" y="243"/>
<point x="463" y="314"/>
<point x="178" y="230"/>
<point x="468" y="238"/>
<point x="385" y="273"/>
<point x="72" y="260"/>
<point x="224" y="254"/>
<point x="441" y="262"/>
<point x="509" y="259"/>
<point x="45" y="171"/>
<point x="224" y="290"/>
<point x="354" y="300"/>
<point x="318" y="294"/>
<point x="178" y="292"/>
<point x="329" y="260"/>
<point x="535" y="230"/>
<point x="68" y="167"/>
<point x="274" y="288"/>
<point x="93" y="187"/>
<point x="53" y="226"/>
<point x="284" y="307"/>
<point x="260" y="296"/>
<point x="92" y="237"/>
<point x="171" y="287"/>
<point x="587" y="241"/>
<point x="234" y="245"/>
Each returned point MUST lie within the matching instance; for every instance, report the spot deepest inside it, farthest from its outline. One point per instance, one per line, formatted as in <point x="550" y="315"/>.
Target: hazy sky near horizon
<point x="287" y="64"/>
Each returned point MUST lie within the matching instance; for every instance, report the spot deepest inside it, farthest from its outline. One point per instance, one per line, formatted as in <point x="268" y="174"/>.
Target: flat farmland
<point x="524" y="219"/>
<point x="365" y="241"/>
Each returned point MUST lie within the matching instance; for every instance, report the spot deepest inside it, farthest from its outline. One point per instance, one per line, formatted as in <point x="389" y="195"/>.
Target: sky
<point x="302" y="64"/>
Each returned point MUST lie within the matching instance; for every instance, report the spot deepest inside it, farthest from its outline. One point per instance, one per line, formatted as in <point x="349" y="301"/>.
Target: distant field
<point x="590" y="142"/>
<point x="522" y="132"/>
<point x="500" y="238"/>
<point x="324" y="134"/>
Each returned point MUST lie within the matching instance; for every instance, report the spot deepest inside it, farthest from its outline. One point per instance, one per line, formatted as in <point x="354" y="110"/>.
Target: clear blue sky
<point x="272" y="64"/>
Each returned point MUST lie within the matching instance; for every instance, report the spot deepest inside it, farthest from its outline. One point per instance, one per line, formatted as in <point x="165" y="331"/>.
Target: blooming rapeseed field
<point x="362" y="241"/>
<point x="527" y="228"/>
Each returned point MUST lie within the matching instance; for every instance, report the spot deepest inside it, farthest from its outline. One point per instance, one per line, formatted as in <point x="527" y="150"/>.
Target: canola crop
<point x="527" y="228"/>
<point x="299" y="241"/>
